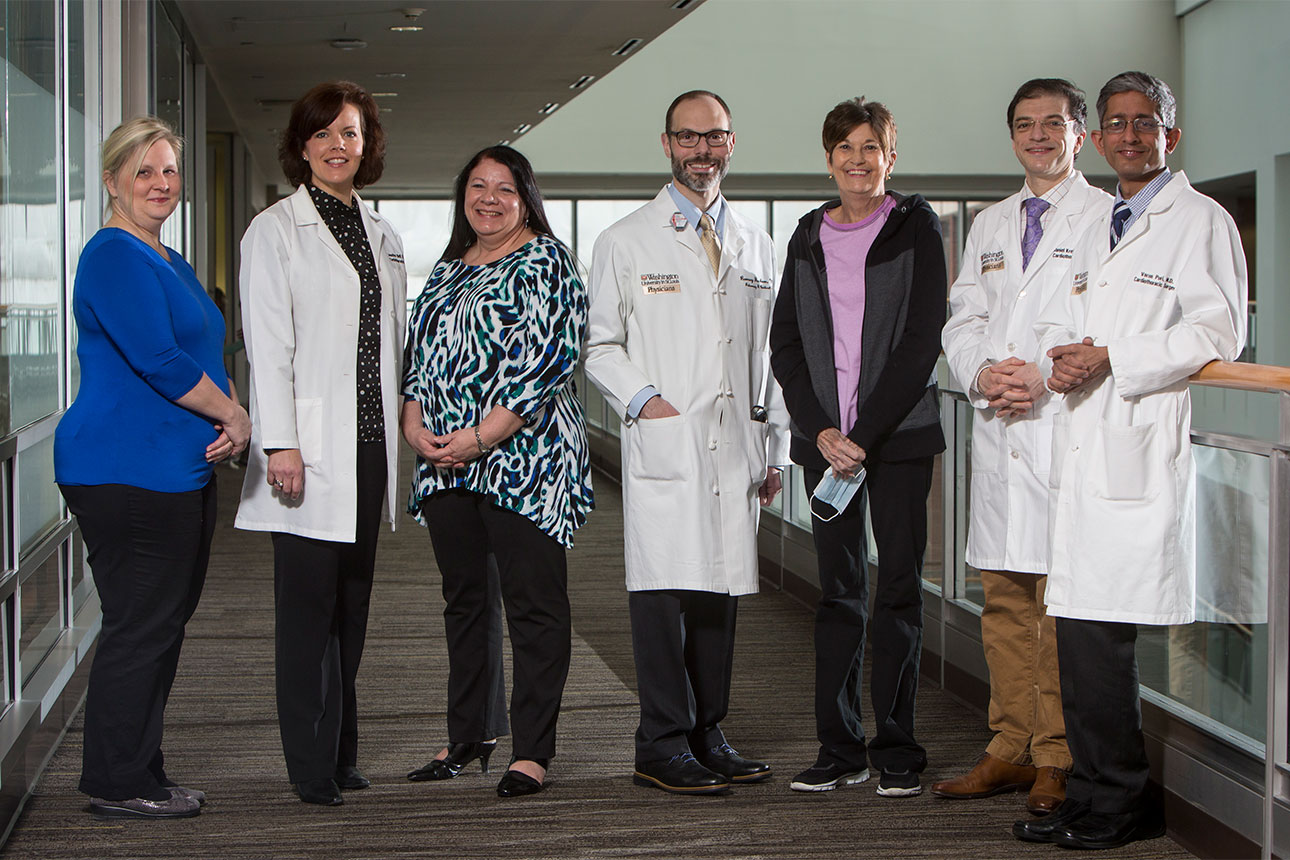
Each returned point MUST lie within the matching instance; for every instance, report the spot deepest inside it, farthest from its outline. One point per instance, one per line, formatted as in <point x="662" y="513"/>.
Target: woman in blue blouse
<point x="502" y="465"/>
<point x="134" y="458"/>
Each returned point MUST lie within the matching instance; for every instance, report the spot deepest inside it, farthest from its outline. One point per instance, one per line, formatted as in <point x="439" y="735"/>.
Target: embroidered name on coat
<point x="991" y="261"/>
<point x="654" y="283"/>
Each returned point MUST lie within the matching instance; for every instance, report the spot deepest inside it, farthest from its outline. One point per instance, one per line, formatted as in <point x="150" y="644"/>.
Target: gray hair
<point x="1140" y="82"/>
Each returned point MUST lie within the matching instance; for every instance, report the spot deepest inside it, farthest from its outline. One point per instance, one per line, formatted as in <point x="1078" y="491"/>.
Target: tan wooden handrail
<point x="1246" y="377"/>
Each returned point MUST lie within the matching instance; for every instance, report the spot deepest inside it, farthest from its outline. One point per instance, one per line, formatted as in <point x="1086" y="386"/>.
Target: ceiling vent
<point x="626" y="48"/>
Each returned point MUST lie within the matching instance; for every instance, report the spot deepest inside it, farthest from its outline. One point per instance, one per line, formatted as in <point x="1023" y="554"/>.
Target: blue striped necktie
<point x="1118" y="218"/>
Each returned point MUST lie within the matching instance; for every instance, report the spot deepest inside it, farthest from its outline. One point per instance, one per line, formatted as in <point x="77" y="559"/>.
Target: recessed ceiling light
<point x="391" y="74"/>
<point x="406" y="28"/>
<point x="521" y="128"/>
<point x="548" y="108"/>
<point x="384" y="95"/>
<point x="502" y="143"/>
<point x="624" y="49"/>
<point x="582" y="82"/>
<point x="348" y="44"/>
<point x="679" y="5"/>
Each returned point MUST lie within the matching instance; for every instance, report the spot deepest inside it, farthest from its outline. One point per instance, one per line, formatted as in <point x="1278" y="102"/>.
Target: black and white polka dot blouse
<point x="346" y="224"/>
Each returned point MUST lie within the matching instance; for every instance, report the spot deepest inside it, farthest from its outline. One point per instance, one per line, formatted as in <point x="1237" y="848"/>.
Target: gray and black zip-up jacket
<point x="898" y="417"/>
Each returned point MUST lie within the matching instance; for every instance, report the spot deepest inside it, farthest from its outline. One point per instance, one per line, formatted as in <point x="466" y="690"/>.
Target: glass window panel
<point x="1217" y="666"/>
<point x="168" y="103"/>
<point x="799" y="503"/>
<point x="975" y="208"/>
<point x="753" y="210"/>
<point x="424" y="226"/>
<point x="41" y="599"/>
<point x="934" y="557"/>
<point x="39" y="503"/>
<point x="784" y="217"/>
<point x="559" y="214"/>
<point x="82" y="176"/>
<point x="82" y="584"/>
<point x="594" y="216"/>
<point x="948" y="212"/>
<point x="30" y="217"/>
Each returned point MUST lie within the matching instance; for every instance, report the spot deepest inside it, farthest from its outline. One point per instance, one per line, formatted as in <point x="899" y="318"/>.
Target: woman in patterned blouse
<point x="502" y="466"/>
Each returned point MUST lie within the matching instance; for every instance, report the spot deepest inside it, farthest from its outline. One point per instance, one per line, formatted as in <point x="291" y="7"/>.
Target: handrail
<point x="1244" y="376"/>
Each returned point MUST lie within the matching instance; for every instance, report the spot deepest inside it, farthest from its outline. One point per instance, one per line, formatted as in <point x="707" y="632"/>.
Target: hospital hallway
<point x="222" y="737"/>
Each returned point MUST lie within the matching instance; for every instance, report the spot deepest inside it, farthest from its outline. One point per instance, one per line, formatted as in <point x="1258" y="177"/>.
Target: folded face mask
<point x="836" y="493"/>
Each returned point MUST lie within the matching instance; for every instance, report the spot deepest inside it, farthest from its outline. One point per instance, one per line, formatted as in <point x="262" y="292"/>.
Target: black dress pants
<point x="1099" y="678"/>
<point x="683" y="643"/>
<point x="148" y="553"/>
<point x="465" y="527"/>
<point x="321" y="592"/>
<point x="896" y="493"/>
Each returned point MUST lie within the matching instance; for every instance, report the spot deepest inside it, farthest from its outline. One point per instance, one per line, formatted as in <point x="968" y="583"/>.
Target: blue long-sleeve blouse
<point x="147" y="332"/>
<point x="507" y="333"/>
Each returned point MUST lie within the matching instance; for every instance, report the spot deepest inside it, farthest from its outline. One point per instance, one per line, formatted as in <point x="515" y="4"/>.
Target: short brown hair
<point x="317" y="109"/>
<point x="848" y="115"/>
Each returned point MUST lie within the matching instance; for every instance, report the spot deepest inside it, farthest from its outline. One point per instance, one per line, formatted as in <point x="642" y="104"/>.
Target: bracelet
<point x="484" y="450"/>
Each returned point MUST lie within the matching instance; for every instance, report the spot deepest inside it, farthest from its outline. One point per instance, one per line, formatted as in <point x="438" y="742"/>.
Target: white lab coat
<point x="300" y="304"/>
<point x="1169" y="299"/>
<point x="659" y="317"/>
<point x="993" y="308"/>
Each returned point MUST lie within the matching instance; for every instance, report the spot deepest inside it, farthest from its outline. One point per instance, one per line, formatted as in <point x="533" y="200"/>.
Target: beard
<point x="700" y="184"/>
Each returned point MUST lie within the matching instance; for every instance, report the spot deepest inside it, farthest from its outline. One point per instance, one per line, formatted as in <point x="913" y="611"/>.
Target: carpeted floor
<point x="222" y="736"/>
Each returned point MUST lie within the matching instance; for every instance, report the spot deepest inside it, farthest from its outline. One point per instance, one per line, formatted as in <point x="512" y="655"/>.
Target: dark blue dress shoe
<point x="680" y="774"/>
<point x="348" y="778"/>
<point x="723" y="760"/>
<point x="323" y="792"/>
<point x="1042" y="829"/>
<point x="1096" y="830"/>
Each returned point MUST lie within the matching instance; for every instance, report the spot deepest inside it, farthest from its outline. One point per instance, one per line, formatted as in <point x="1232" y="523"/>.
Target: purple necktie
<point x="1034" y="230"/>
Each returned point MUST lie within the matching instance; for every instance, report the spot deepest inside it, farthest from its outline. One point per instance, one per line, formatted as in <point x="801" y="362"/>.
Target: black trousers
<point x="897" y="497"/>
<point x="148" y="552"/>
<point x="532" y="573"/>
<point x="683" y="642"/>
<point x="321" y="593"/>
<point x="1099" y="678"/>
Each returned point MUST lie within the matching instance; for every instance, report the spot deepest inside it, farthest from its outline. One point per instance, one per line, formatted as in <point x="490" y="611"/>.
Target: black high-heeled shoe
<point x="459" y="755"/>
<point x="518" y="784"/>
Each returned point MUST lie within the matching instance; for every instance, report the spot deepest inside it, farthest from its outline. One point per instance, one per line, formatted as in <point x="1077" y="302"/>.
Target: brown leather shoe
<point x="990" y="776"/>
<point x="1048" y="792"/>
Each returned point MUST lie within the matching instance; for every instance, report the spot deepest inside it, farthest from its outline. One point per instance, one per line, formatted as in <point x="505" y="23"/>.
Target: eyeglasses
<point x="1052" y="124"/>
<point x="1143" y="124"/>
<point x="689" y="138"/>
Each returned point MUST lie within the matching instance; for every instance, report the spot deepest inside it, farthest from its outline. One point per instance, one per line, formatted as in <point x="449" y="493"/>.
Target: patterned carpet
<point x="222" y="736"/>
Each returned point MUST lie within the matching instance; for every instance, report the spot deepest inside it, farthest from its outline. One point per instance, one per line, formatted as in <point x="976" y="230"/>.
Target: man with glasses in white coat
<point x="1018" y="256"/>
<point x="1158" y="290"/>
<point x="681" y="293"/>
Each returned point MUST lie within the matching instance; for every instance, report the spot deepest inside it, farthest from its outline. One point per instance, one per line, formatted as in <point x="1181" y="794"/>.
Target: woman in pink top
<point x="854" y="341"/>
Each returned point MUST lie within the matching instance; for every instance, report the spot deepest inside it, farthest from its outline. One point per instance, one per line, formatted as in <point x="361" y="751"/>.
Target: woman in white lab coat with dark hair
<point x="323" y="289"/>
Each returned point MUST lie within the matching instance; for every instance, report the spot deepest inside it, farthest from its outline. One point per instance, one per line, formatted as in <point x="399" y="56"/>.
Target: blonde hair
<point x="134" y="138"/>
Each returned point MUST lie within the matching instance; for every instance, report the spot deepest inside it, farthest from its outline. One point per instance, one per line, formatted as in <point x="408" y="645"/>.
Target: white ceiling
<point x="477" y="71"/>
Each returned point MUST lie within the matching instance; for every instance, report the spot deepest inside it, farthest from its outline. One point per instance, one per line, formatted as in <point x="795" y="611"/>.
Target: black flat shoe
<point x="459" y="755"/>
<point x="348" y="778"/>
<point x="323" y="792"/>
<point x="517" y="784"/>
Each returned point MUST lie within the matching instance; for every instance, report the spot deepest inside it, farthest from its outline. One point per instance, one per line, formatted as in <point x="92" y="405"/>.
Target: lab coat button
<point x="1021" y="295"/>
<point x="712" y="444"/>
<point x="1101" y="283"/>
<point x="729" y="393"/>
<point x="716" y="491"/>
<point x="729" y="340"/>
<point x="1012" y="347"/>
<point x="1016" y="455"/>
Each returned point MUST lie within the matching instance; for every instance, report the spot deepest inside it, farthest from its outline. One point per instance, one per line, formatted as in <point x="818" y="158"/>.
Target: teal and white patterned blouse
<point x="507" y="333"/>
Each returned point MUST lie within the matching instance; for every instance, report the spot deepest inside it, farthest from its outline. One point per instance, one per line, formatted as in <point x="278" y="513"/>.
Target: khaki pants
<point x="1021" y="649"/>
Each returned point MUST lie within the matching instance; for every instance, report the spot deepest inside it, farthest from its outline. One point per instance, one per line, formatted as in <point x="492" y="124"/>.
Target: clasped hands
<point x="1012" y="387"/>
<point x="845" y="456"/>
<point x="1077" y="365"/>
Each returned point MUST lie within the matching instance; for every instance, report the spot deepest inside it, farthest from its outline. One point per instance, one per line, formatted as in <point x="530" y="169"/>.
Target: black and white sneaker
<point x="902" y="783"/>
<point x="826" y="777"/>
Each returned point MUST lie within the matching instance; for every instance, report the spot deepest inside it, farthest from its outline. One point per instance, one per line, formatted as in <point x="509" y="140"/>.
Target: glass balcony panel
<point x="41" y="597"/>
<point x="40" y="505"/>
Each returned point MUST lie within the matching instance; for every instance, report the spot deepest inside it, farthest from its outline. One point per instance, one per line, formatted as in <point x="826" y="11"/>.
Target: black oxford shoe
<point x="1042" y="829"/>
<point x="323" y="792"/>
<point x="723" y="760"/>
<point x="680" y="774"/>
<point x="348" y="778"/>
<point x="1096" y="831"/>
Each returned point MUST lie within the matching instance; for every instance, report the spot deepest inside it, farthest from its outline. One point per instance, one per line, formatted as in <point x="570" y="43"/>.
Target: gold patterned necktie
<point x="708" y="239"/>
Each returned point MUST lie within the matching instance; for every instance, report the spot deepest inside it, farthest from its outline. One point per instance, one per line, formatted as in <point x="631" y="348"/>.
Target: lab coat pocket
<point x="1057" y="451"/>
<point x="658" y="449"/>
<point x="758" y="321"/>
<point x="1128" y="455"/>
<point x="309" y="429"/>
<point x="758" y="435"/>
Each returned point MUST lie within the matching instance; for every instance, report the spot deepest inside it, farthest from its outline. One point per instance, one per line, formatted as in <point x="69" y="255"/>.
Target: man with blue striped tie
<point x="1158" y="289"/>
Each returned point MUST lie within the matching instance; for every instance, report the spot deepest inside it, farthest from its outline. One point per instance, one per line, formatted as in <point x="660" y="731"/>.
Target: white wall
<point x="946" y="68"/>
